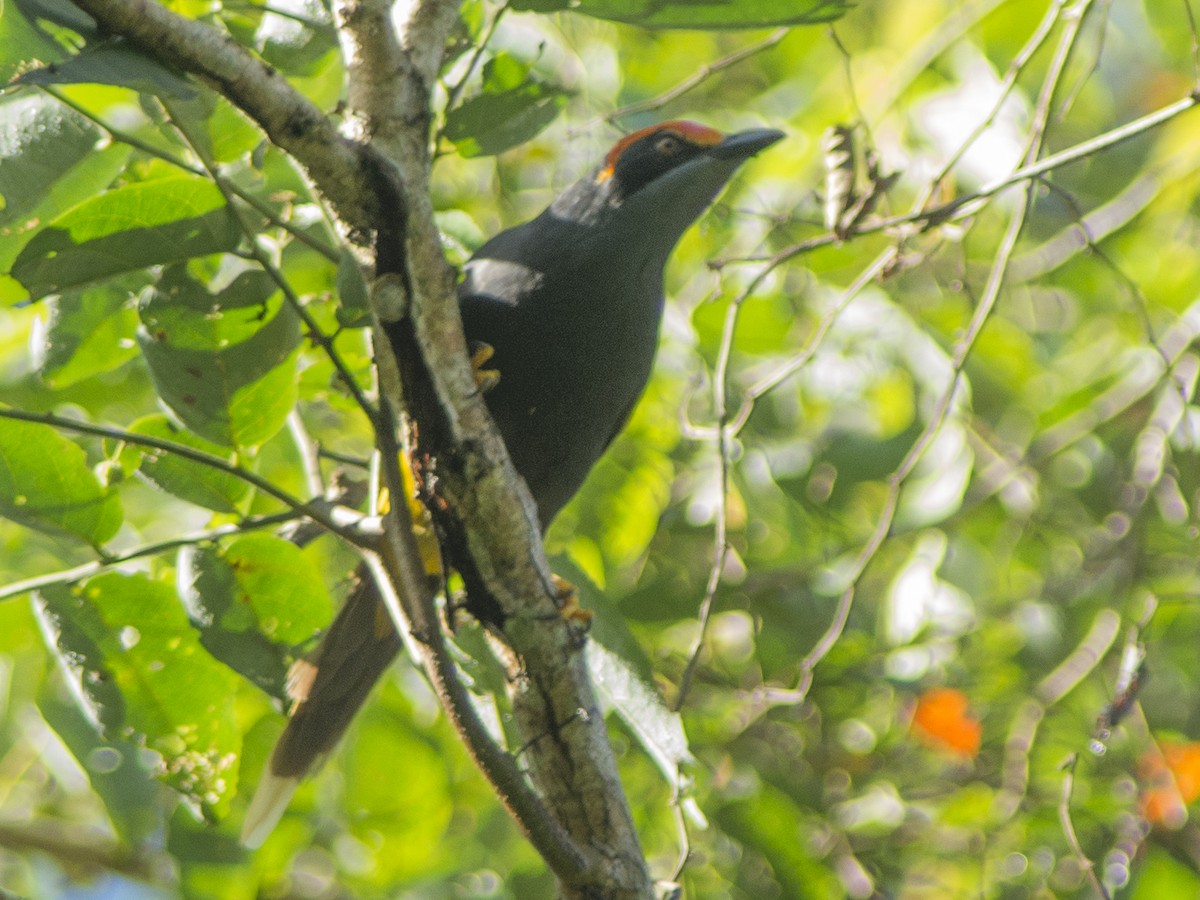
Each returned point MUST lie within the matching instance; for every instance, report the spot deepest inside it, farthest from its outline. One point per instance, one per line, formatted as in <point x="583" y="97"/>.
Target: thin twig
<point x="312" y="328"/>
<point x="786" y="370"/>
<point x="340" y="168"/>
<point x="1131" y="287"/>
<point x="1144" y="378"/>
<point x="1192" y="30"/>
<point x="263" y="209"/>
<point x="693" y="81"/>
<point x="306" y="448"/>
<point x="979" y="318"/>
<point x="86" y="570"/>
<point x="453" y="93"/>
<point x="1068" y="827"/>
<point x="1068" y="102"/>
<point x="681" y="829"/>
<point x="968" y="204"/>
<point x="1082" y="661"/>
<point x="950" y="30"/>
<point x="1015" y="68"/>
<point x="848" y="73"/>
<point x="322" y="27"/>
<point x="721" y="517"/>
<point x="311" y="509"/>
<point x="1080" y="151"/>
<point x="982" y="313"/>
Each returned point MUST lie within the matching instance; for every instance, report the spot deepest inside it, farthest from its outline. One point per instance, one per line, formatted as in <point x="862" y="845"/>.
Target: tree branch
<point x="338" y="166"/>
<point x="375" y="176"/>
<point x="84" y="848"/>
<point x="571" y="761"/>
<point x="261" y="207"/>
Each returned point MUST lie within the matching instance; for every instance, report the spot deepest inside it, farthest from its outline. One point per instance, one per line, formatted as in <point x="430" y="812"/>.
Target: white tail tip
<point x="266" y="809"/>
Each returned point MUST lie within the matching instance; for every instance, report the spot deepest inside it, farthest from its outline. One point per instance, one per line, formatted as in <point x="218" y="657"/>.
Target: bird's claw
<point x="485" y="379"/>
<point x="568" y="602"/>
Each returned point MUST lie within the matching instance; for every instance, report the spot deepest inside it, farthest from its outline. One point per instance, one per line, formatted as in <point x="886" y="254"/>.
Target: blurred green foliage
<point x="1048" y="527"/>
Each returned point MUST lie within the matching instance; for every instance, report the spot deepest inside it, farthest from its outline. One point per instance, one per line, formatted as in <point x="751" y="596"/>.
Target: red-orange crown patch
<point x="692" y="132"/>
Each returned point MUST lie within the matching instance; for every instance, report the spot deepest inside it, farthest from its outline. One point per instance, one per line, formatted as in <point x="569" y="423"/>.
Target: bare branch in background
<point x="1064" y="817"/>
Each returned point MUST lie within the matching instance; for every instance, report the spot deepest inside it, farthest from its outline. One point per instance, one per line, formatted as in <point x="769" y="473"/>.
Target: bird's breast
<point x="574" y="355"/>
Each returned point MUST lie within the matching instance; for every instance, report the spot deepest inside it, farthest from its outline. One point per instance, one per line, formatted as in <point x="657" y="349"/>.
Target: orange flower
<point x="943" y="721"/>
<point x="1173" y="781"/>
<point x="1184" y="762"/>
<point x="1161" y="806"/>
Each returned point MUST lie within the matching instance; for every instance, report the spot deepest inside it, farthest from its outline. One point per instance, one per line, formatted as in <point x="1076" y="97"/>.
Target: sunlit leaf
<point x="115" y="63"/>
<point x="115" y="768"/>
<point x="26" y="36"/>
<point x="658" y="728"/>
<point x="141" y="673"/>
<point x="514" y="106"/>
<point x="134" y="226"/>
<point x="87" y="333"/>
<point x="223" y="361"/>
<point x="46" y="483"/>
<point x="40" y="141"/>
<point x="92" y="174"/>
<point x="254" y="600"/>
<point x="188" y="480"/>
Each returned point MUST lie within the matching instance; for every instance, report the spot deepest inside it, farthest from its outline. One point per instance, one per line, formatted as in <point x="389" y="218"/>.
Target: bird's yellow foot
<point x="568" y="602"/>
<point x="485" y="379"/>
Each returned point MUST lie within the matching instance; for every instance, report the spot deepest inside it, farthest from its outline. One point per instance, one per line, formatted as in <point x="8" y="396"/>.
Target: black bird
<point x="570" y="302"/>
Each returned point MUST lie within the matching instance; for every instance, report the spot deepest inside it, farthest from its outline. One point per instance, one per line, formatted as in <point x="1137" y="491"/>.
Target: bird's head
<point x="656" y="182"/>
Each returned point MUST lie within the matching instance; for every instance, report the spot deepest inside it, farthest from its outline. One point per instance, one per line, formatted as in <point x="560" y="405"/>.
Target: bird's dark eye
<point x="668" y="145"/>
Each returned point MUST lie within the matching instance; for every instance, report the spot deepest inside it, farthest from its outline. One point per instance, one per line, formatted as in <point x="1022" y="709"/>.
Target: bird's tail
<point x="326" y="689"/>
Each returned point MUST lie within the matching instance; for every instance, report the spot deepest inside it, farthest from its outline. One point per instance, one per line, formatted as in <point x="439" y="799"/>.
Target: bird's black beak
<point x="745" y="144"/>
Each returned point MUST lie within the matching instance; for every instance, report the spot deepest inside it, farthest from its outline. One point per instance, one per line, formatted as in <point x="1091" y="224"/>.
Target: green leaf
<point x="211" y="861"/>
<point x="698" y="14"/>
<point x="1161" y="875"/>
<point x="657" y="727"/>
<point x="402" y="814"/>
<point x="40" y="141"/>
<point x="765" y="324"/>
<point x="754" y="823"/>
<point x="57" y="15"/>
<point x="623" y="676"/>
<point x="116" y="769"/>
<point x="45" y="483"/>
<point x="24" y="38"/>
<point x="140" y="674"/>
<point x="513" y="108"/>
<point x="126" y="229"/>
<point x="231" y="135"/>
<point x="187" y="480"/>
<point x="254" y="600"/>
<point x="503" y="72"/>
<point x="222" y="362"/>
<point x="299" y="43"/>
<point x="87" y="333"/>
<point x="115" y="63"/>
<point x="91" y="175"/>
